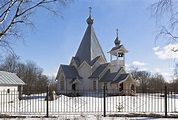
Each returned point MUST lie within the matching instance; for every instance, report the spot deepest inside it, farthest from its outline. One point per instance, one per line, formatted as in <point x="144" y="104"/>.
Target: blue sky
<point x="54" y="42"/>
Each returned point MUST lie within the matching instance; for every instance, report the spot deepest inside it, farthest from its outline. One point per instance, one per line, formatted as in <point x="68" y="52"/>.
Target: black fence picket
<point x="47" y="101"/>
<point x="165" y="97"/>
<point x="104" y="100"/>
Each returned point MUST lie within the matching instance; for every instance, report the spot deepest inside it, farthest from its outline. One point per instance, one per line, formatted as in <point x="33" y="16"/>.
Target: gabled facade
<point x="11" y="86"/>
<point x="89" y="69"/>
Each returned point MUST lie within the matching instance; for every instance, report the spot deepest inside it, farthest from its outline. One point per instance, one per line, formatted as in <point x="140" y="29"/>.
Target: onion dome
<point x="90" y="20"/>
<point x="117" y="41"/>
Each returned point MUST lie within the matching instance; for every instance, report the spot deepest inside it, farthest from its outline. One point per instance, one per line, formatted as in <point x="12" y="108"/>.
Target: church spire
<point x="90" y="20"/>
<point x="89" y="48"/>
<point x="117" y="41"/>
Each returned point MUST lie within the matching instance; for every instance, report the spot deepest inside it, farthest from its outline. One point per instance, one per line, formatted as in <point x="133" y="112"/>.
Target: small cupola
<point x="90" y="20"/>
<point x="117" y="55"/>
<point x="117" y="41"/>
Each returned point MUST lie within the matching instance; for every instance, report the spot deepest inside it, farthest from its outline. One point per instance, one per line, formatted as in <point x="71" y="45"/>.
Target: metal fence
<point x="105" y="102"/>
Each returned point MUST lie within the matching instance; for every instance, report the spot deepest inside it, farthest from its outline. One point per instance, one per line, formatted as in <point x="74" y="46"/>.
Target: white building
<point x="89" y="69"/>
<point x="10" y="86"/>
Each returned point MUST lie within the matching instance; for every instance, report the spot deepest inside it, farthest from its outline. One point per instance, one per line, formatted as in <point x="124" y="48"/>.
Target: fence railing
<point x="103" y="102"/>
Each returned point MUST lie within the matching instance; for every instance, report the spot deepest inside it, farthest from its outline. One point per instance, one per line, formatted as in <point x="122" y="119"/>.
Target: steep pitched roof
<point x="75" y="80"/>
<point x="120" y="47"/>
<point x="89" y="47"/>
<point x="70" y="71"/>
<point x="108" y="76"/>
<point x="7" y="78"/>
<point x="114" y="77"/>
<point x="98" y="71"/>
<point x="94" y="60"/>
<point x="121" y="78"/>
<point x="76" y="60"/>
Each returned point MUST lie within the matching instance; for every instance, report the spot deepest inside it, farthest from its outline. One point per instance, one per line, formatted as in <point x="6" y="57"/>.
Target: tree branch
<point x="5" y="4"/>
<point x="3" y="33"/>
<point x="6" y="12"/>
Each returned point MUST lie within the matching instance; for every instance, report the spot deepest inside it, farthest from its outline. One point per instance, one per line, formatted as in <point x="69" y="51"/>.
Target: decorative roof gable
<point x="119" y="48"/>
<point x="121" y="78"/>
<point x="99" y="70"/>
<point x="116" y="76"/>
<point x="108" y="76"/>
<point x="70" y="71"/>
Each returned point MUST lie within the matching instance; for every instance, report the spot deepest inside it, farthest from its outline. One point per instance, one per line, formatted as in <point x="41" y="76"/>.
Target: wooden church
<point x="89" y="69"/>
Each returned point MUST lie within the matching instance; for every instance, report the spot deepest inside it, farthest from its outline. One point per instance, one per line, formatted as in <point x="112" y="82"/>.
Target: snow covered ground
<point x="87" y="107"/>
<point x="90" y="117"/>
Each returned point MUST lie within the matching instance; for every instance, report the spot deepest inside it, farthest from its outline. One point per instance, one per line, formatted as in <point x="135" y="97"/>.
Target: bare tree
<point x="16" y="14"/>
<point x="29" y="72"/>
<point x="176" y="70"/>
<point x="9" y="63"/>
<point x="166" y="14"/>
<point x="142" y="76"/>
<point x="156" y="82"/>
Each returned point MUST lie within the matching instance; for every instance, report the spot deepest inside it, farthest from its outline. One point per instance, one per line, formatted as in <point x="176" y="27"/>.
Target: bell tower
<point x="117" y="55"/>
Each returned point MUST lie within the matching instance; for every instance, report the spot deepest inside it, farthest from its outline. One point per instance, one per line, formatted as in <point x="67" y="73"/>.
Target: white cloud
<point x="167" y="52"/>
<point x="127" y="65"/>
<point x="51" y="74"/>
<point x="157" y="70"/>
<point x="166" y="74"/>
<point x="143" y="69"/>
<point x="156" y="48"/>
<point x="138" y="63"/>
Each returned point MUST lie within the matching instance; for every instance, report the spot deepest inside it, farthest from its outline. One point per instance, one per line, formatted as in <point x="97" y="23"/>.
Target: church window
<point x="94" y="85"/>
<point x="62" y="83"/>
<point x="8" y="90"/>
<point x="106" y="86"/>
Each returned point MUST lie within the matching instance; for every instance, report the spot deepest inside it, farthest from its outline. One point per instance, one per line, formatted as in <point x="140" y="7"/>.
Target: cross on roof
<point x="90" y="10"/>
<point x="117" y="30"/>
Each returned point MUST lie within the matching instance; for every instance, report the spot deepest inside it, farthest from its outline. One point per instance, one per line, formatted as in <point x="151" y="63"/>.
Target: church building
<point x="89" y="69"/>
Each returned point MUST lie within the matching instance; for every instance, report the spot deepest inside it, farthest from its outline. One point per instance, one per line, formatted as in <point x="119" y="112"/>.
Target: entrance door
<point x="121" y="87"/>
<point x="132" y="87"/>
<point x="73" y="87"/>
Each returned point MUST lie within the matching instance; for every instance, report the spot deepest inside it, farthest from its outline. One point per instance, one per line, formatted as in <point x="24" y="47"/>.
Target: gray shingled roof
<point x="7" y="78"/>
<point x="116" y="47"/>
<point x="108" y="77"/>
<point x="98" y="71"/>
<point x="70" y="71"/>
<point x="121" y="78"/>
<point x="94" y="60"/>
<point x="119" y="47"/>
<point x="77" y="61"/>
<point x="89" y="47"/>
<point x="73" y="80"/>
